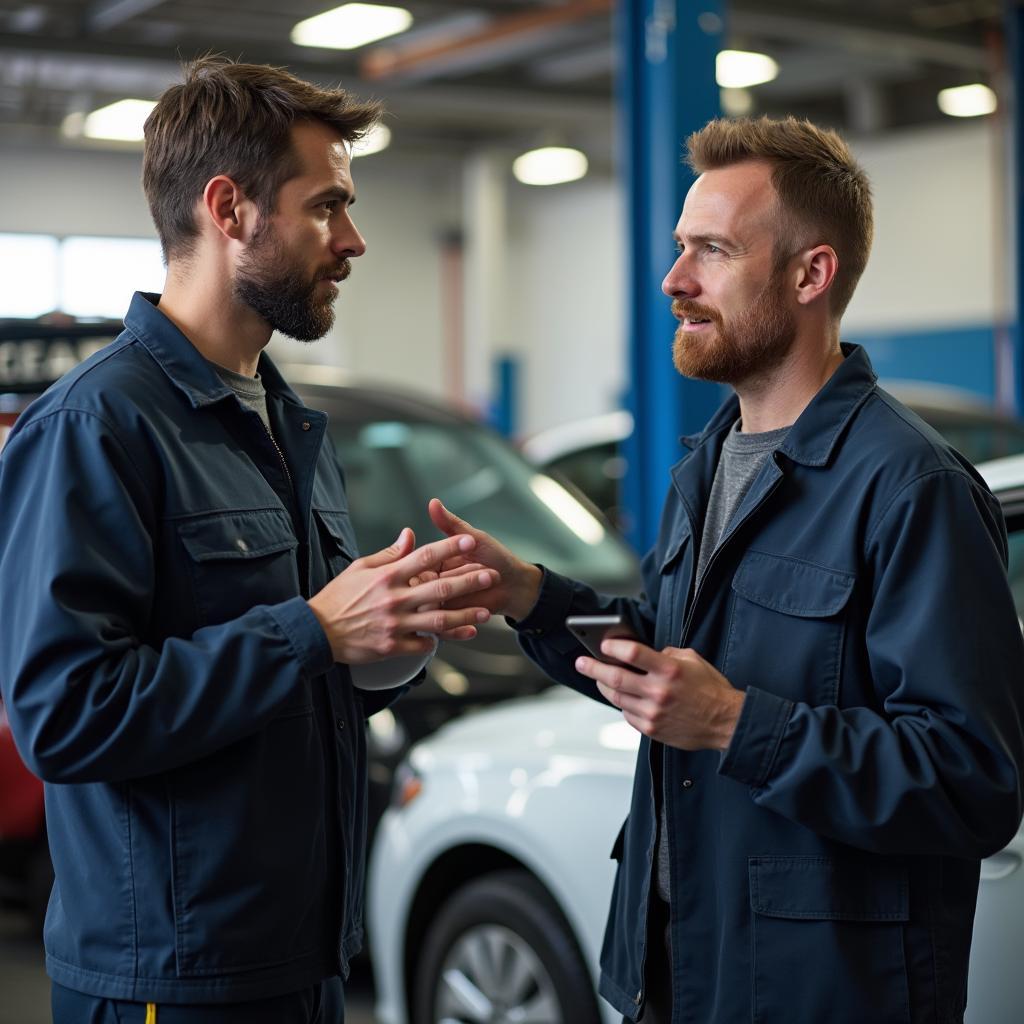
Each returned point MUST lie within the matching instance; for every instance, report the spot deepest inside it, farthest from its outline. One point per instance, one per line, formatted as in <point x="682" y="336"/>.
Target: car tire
<point x="498" y="946"/>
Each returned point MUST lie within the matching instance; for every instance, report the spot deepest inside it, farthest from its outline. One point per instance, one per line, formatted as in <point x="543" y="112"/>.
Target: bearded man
<point x="181" y="607"/>
<point x="828" y="677"/>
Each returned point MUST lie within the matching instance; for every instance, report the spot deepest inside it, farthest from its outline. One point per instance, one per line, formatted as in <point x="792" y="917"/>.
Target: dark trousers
<point x="319" y="1004"/>
<point x="658" y="966"/>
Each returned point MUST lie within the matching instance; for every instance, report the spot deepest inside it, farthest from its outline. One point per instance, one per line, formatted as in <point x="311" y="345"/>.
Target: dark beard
<point x="282" y="295"/>
<point x="750" y="348"/>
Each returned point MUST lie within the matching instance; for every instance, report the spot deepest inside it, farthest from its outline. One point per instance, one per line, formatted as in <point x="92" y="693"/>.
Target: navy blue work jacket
<point x="825" y="868"/>
<point x="204" y="758"/>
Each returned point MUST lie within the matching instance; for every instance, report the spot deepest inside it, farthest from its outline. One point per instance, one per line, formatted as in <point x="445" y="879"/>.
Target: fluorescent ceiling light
<point x="738" y="69"/>
<point x="736" y="102"/>
<point x="376" y="139"/>
<point x="550" y="165"/>
<point x="122" y="120"/>
<point x="350" y="26"/>
<point x="967" y="101"/>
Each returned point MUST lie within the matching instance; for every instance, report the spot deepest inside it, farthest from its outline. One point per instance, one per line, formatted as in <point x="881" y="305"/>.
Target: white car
<point x="491" y="875"/>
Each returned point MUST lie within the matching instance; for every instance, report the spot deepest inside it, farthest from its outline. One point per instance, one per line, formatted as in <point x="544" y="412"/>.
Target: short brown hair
<point x="233" y="119"/>
<point x="824" y="194"/>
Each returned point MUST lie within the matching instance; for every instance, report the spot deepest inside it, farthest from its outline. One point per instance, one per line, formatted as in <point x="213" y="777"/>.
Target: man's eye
<point x="330" y="205"/>
<point x="713" y="248"/>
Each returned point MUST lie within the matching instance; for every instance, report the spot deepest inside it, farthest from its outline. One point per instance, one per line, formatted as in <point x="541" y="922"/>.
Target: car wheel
<point x="499" y="952"/>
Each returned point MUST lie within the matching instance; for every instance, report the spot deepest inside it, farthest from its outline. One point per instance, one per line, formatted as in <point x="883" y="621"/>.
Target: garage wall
<point x="929" y="303"/>
<point x="388" y="323"/>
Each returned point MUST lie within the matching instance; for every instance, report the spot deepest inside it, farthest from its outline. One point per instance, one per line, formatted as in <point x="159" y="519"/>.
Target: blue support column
<point x="667" y="91"/>
<point x="504" y="413"/>
<point x="1015" y="56"/>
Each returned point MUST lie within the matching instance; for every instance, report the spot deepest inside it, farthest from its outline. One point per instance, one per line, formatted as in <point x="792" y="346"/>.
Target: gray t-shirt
<point x="250" y="391"/>
<point x="741" y="460"/>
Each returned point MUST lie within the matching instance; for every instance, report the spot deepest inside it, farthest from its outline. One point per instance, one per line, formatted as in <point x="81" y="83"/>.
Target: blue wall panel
<point x="962" y="357"/>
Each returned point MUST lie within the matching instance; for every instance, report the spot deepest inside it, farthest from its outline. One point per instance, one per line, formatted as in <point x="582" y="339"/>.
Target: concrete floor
<point x="25" y="989"/>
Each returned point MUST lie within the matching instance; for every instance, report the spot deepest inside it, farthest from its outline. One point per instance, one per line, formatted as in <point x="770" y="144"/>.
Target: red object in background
<point x="21" y="793"/>
<point x="6" y="422"/>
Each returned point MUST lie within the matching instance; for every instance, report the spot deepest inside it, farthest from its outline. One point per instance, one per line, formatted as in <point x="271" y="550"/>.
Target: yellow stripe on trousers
<point x="150" y="1013"/>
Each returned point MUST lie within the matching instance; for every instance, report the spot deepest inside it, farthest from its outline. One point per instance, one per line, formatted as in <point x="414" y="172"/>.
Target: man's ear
<point x="818" y="268"/>
<point x="228" y="209"/>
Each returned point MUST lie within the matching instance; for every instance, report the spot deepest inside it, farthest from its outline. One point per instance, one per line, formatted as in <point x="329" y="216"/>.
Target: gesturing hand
<point x="681" y="700"/>
<point x="516" y="591"/>
<point x="370" y="611"/>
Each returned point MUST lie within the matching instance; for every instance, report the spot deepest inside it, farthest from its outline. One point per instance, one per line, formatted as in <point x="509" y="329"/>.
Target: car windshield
<point x="394" y="466"/>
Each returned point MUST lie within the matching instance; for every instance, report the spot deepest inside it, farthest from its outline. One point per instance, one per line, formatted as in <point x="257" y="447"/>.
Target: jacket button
<point x="639" y="997"/>
<point x="305" y="425"/>
<point x="687" y="783"/>
<point x="340" y="722"/>
<point x="241" y="544"/>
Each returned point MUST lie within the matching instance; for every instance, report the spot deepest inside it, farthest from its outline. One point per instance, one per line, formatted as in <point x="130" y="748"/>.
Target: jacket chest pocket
<point x="674" y="568"/>
<point x="787" y="628"/>
<point x="238" y="560"/>
<point x="337" y="542"/>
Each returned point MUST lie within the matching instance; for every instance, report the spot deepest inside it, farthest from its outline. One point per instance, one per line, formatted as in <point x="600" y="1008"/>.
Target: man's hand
<point x="516" y="592"/>
<point x="370" y="611"/>
<point x="682" y="700"/>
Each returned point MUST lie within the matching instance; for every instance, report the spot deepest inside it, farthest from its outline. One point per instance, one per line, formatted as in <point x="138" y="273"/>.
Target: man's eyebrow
<point x="706" y="240"/>
<point x="341" y="194"/>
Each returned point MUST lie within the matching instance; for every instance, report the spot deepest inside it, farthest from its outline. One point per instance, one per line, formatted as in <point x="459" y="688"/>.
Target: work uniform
<point x="825" y="867"/>
<point x="204" y="757"/>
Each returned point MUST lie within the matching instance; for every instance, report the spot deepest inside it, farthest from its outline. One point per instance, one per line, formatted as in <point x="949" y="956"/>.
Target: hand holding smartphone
<point x="592" y="630"/>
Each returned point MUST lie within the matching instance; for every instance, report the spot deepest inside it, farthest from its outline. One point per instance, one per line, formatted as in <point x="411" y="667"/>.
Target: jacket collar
<point x="815" y="433"/>
<point x="183" y="363"/>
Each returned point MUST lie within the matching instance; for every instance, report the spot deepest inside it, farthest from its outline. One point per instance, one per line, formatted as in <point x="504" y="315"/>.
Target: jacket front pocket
<point x="239" y="559"/>
<point x="828" y="941"/>
<point x="787" y="628"/>
<point x="249" y="851"/>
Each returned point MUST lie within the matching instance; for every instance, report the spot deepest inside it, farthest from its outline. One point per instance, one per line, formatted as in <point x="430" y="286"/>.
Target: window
<point x="85" y="277"/>
<point x="28" y="275"/>
<point x="98" y="275"/>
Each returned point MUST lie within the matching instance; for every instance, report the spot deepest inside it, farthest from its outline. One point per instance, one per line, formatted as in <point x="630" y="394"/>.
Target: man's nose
<point x="347" y="242"/>
<point x="680" y="281"/>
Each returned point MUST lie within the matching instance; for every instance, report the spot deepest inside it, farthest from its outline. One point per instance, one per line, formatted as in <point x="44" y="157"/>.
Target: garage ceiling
<point x="496" y="72"/>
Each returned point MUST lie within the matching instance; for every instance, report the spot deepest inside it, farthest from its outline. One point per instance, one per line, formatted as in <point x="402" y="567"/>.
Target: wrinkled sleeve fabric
<point x="88" y="699"/>
<point x="546" y="640"/>
<point x="936" y="764"/>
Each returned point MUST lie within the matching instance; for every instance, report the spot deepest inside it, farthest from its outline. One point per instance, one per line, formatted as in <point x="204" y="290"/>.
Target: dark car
<point x="399" y="450"/>
<point x="588" y="453"/>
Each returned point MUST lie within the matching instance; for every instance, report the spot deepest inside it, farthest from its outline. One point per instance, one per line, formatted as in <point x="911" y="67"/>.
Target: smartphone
<point x="591" y="630"/>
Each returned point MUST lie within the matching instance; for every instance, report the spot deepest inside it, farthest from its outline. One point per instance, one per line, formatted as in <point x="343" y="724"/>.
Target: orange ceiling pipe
<point x="421" y="58"/>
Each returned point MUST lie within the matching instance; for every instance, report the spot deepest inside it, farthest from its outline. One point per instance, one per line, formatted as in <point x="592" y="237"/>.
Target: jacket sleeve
<point x="545" y="639"/>
<point x="936" y="764"/>
<point x="88" y="700"/>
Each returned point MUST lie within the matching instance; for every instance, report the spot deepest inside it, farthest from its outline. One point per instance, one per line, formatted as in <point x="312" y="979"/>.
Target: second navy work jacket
<point x="204" y="758"/>
<point x="825" y="867"/>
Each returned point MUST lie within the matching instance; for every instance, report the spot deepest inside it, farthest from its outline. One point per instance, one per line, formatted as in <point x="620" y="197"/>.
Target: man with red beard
<point x="183" y="618"/>
<point x="828" y="676"/>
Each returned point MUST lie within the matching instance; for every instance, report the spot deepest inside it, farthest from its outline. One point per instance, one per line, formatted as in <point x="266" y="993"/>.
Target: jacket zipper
<point x="280" y="455"/>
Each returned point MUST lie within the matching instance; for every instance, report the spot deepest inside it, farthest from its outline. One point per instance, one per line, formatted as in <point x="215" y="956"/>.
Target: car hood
<point x="556" y="721"/>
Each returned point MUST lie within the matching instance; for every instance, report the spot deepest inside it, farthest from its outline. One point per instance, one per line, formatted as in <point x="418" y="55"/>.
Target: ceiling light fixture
<point x="121" y="121"/>
<point x="350" y="26"/>
<point x="550" y="165"/>
<point x="967" y="100"/>
<point x="740" y="69"/>
<point x="376" y="139"/>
